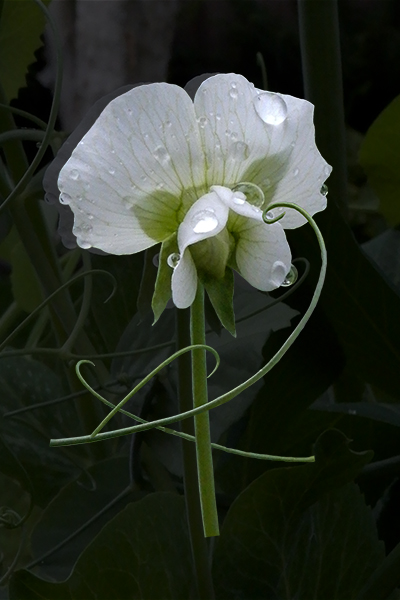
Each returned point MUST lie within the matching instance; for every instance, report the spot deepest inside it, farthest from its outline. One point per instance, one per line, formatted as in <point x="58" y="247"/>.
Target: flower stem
<point x="322" y="76"/>
<point x="192" y="498"/>
<point x="205" y="469"/>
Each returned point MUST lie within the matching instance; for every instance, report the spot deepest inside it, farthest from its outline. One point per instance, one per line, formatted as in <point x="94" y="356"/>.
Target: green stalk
<point x="192" y="498"/>
<point x="322" y="76"/>
<point x="205" y="468"/>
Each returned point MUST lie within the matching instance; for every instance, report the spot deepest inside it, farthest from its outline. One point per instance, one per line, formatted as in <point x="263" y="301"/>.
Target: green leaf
<point x="143" y="553"/>
<point x="292" y="533"/>
<point x="93" y="491"/>
<point x="25" y="382"/>
<point x="220" y="292"/>
<point x="22" y="23"/>
<point x="380" y="157"/>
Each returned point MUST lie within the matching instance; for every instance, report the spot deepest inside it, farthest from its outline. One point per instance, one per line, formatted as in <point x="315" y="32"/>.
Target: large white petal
<point x="184" y="281"/>
<point x="262" y="253"/>
<point x="125" y="179"/>
<point x="240" y="145"/>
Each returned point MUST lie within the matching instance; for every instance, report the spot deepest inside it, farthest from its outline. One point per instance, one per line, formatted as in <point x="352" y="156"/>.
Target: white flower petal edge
<point x="265" y="138"/>
<point x="125" y="178"/>
<point x="262" y="254"/>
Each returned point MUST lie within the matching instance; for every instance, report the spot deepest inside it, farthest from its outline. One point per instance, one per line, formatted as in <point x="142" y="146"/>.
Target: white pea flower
<point x="197" y="176"/>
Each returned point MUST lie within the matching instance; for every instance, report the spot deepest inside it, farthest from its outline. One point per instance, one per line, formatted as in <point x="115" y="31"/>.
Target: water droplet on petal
<point x="83" y="244"/>
<point x="202" y="121"/>
<point x="161" y="154"/>
<point x="271" y="108"/>
<point x="111" y="171"/>
<point x="239" y="151"/>
<point x="278" y="273"/>
<point x="296" y="172"/>
<point x="324" y="189"/>
<point x="204" y="221"/>
<point x="239" y="198"/>
<point x="173" y="260"/>
<point x="291" y="277"/>
<point x="74" y="174"/>
<point x="65" y="198"/>
<point x="159" y="186"/>
<point x="254" y="194"/>
<point x="233" y="94"/>
<point x="90" y="217"/>
<point x="218" y="117"/>
<point x="234" y="84"/>
<point x="270" y="214"/>
<point x="168" y="123"/>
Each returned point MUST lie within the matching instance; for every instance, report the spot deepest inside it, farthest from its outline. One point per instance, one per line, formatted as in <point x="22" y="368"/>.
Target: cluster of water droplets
<point x="271" y="108"/>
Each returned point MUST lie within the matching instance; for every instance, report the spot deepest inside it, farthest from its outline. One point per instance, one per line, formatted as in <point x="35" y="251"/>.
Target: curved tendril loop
<point x="187" y="436"/>
<point x="51" y="296"/>
<point x="52" y="118"/>
<point x="145" y="380"/>
<point x="238" y="389"/>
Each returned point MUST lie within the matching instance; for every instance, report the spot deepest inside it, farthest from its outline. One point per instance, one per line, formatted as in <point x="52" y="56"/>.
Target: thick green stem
<point x="205" y="468"/>
<point x="322" y="76"/>
<point x="192" y="498"/>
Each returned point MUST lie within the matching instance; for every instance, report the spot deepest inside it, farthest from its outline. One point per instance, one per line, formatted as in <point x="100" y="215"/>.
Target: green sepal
<point x="220" y="292"/>
<point x="147" y="282"/>
<point x="162" y="290"/>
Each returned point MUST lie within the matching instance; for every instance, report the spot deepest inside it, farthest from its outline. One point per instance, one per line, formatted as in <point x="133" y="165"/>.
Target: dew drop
<point x="234" y="84"/>
<point x="156" y="259"/>
<point x="239" y="198"/>
<point x="266" y="183"/>
<point x="168" y="123"/>
<point x="239" y="151"/>
<point x="278" y="273"/>
<point x="83" y="244"/>
<point x="324" y="189"/>
<point x="271" y="108"/>
<point x="296" y="172"/>
<point x="270" y="214"/>
<point x="254" y="195"/>
<point x="204" y="221"/>
<point x="90" y="217"/>
<point x="202" y="121"/>
<point x="218" y="117"/>
<point x="111" y="171"/>
<point x="159" y="186"/>
<point x="291" y="277"/>
<point x="233" y="94"/>
<point x="65" y="198"/>
<point x="173" y="260"/>
<point x="161" y="154"/>
<point x="74" y="174"/>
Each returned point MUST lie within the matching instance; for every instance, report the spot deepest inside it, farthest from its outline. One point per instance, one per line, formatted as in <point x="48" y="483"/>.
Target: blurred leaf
<point x="384" y="249"/>
<point x="143" y="553"/>
<point x="92" y="492"/>
<point x="25" y="285"/>
<point x="358" y="301"/>
<point x="292" y="533"/>
<point x="308" y="368"/>
<point x="24" y="382"/>
<point x="380" y="157"/>
<point x="386" y="413"/>
<point x="22" y="22"/>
